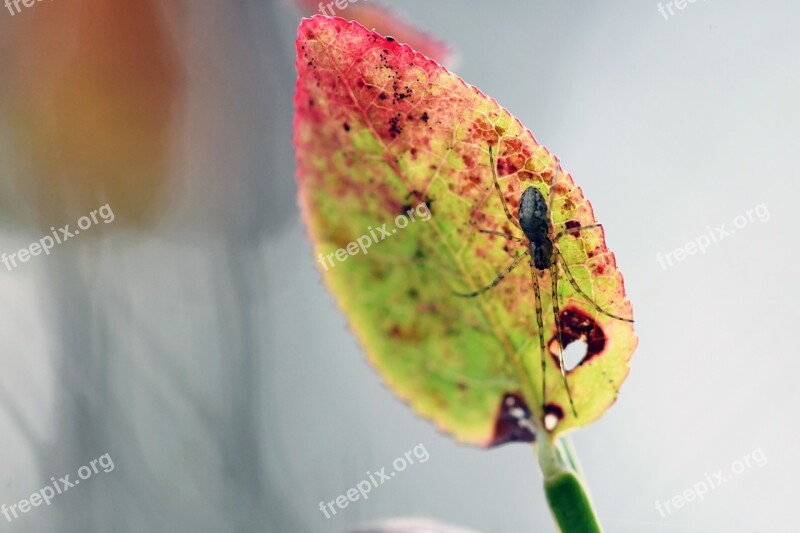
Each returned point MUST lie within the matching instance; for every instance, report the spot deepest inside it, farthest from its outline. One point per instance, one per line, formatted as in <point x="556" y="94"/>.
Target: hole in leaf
<point x="580" y="330"/>
<point x="553" y="414"/>
<point x="574" y="353"/>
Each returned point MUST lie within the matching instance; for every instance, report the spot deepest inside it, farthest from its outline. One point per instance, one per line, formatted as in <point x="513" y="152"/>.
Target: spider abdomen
<point x="533" y="215"/>
<point x="535" y="224"/>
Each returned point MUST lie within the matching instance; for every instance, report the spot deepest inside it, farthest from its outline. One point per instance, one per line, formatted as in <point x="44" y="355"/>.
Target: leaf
<point x="381" y="130"/>
<point x="386" y="22"/>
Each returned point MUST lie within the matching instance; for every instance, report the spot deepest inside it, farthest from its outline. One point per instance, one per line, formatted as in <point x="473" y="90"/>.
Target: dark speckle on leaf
<point x="513" y="422"/>
<point x="394" y="126"/>
<point x="416" y="196"/>
<point x="571" y="225"/>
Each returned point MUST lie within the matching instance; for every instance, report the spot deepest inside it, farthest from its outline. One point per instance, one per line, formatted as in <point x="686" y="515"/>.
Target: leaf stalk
<point x="567" y="495"/>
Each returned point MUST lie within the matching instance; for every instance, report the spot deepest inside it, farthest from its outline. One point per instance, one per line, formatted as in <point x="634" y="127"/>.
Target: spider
<point x="541" y="247"/>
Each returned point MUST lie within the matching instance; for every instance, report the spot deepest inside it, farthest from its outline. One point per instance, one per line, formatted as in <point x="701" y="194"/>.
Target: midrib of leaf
<point x="498" y="331"/>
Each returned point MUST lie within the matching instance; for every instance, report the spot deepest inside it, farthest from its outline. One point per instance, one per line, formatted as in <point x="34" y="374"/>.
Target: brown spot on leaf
<point x="513" y="422"/>
<point x="526" y="175"/>
<point x="577" y="325"/>
<point x="553" y="414"/>
<point x="571" y="226"/>
<point x="503" y="168"/>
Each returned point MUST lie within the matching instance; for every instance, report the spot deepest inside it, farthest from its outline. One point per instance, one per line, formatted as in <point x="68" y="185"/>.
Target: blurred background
<point x="191" y="339"/>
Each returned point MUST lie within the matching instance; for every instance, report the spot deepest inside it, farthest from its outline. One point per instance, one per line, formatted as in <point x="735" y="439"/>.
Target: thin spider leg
<point x="497" y="280"/>
<point x="501" y="234"/>
<point x="479" y="204"/>
<point x="553" y="185"/>
<point x="580" y="291"/>
<point x="557" y="318"/>
<point x="578" y="229"/>
<point x="538" y="305"/>
<point x="499" y="191"/>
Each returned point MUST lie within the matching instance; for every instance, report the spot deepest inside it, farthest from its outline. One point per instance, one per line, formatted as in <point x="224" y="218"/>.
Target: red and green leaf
<point x="381" y="129"/>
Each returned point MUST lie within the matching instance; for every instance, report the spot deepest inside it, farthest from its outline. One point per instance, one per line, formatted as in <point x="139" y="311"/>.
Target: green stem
<point x="568" y="498"/>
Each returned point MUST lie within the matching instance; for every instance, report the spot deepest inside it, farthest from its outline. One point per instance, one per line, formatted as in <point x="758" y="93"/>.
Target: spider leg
<point x="479" y="203"/>
<point x="497" y="280"/>
<point x="538" y="305"/>
<point x="499" y="191"/>
<point x="556" y="174"/>
<point x="557" y="318"/>
<point x="578" y="229"/>
<point x="580" y="291"/>
<point x="501" y="234"/>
